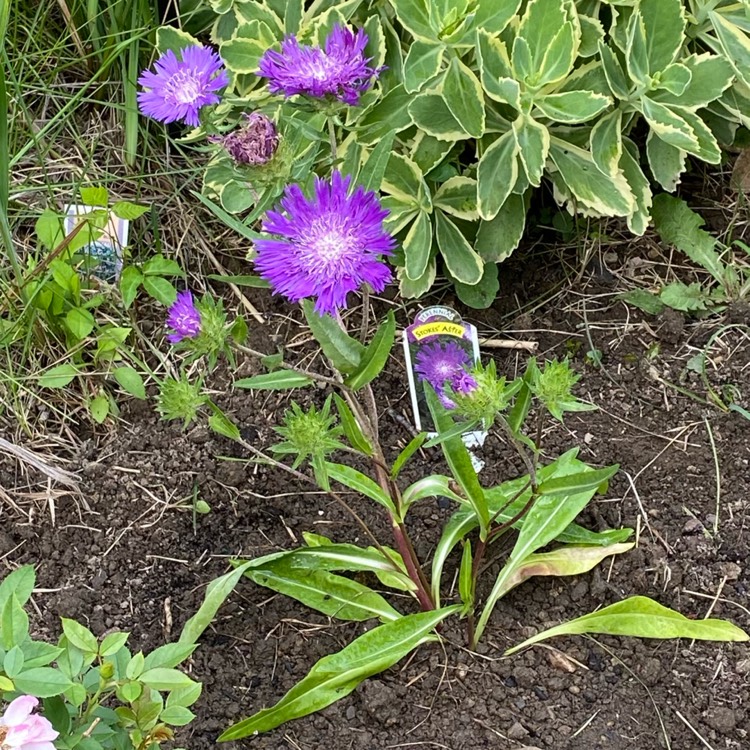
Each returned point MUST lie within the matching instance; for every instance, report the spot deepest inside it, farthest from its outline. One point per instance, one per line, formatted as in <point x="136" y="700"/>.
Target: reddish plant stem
<point x="412" y="567"/>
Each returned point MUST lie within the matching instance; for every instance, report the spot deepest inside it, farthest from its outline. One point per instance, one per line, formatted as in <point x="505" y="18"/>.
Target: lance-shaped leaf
<point x="431" y="114"/>
<point x="335" y="676"/>
<point x="641" y="617"/>
<point x="413" y="446"/>
<point x="735" y="43"/>
<point x="459" y="256"/>
<point x="565" y="561"/>
<point x="533" y="146"/>
<point x="669" y="125"/>
<point x="414" y="16"/>
<point x="664" y="24"/>
<point x="496" y="175"/>
<point x="548" y="517"/>
<point x="496" y="72"/>
<point x="331" y="594"/>
<point x="435" y="485"/>
<point x="640" y="217"/>
<point x="359" y="482"/>
<point x="459" y="461"/>
<point x="466" y="580"/>
<point x="375" y="355"/>
<point x="344" y="352"/>
<point x="463" y="95"/>
<point x="560" y="55"/>
<point x="613" y="71"/>
<point x="417" y="246"/>
<point x="636" y="53"/>
<point x="274" y="381"/>
<point x="457" y="196"/>
<point x="606" y="142"/>
<point x="666" y="161"/>
<point x="573" y="484"/>
<point x="540" y="25"/>
<point x="351" y="427"/>
<point x="371" y="176"/>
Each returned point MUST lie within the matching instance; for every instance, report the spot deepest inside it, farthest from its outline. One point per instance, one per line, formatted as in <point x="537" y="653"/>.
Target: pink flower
<point x="22" y="730"/>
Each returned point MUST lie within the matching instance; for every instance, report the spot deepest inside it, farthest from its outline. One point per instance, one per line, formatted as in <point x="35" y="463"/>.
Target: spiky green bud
<point x="180" y="399"/>
<point x="553" y="386"/>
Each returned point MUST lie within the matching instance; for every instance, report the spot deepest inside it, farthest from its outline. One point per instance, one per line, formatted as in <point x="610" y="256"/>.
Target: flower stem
<point x="332" y="136"/>
<point x="365" y="313"/>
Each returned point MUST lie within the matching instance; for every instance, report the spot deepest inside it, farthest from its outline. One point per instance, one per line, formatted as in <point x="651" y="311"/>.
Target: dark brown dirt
<point x="126" y="555"/>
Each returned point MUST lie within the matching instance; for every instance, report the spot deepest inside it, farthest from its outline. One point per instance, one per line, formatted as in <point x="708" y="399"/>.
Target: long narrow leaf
<point x="359" y="482"/>
<point x="641" y="617"/>
<point x="375" y="356"/>
<point x="335" y="676"/>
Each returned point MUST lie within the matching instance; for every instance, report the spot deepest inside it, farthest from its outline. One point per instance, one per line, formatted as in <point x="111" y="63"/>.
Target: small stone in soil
<point x="518" y="731"/>
<point x="721" y="719"/>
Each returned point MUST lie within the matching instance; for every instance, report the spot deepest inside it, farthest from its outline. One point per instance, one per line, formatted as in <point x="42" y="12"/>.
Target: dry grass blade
<point x="32" y="459"/>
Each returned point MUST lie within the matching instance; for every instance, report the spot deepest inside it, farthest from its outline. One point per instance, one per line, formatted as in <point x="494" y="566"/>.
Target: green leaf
<point x="387" y="114"/>
<point x="184" y="696"/>
<point x="176" y="716"/>
<point x="79" y="322"/>
<point x="403" y="179"/>
<point x="687" y="298"/>
<point x="679" y="225"/>
<point x="163" y="678"/>
<point x="242" y="280"/>
<point x="664" y="24"/>
<point x="58" y="377"/>
<point x="735" y="44"/>
<point x="498" y="238"/>
<point x="463" y="96"/>
<point x="130" y="381"/>
<point x="221" y="424"/>
<point x="80" y="636"/>
<point x="459" y="256"/>
<point x="560" y="55"/>
<point x="667" y="162"/>
<point x="351" y="427"/>
<point x="572" y="106"/>
<point x="573" y="484"/>
<point x="19" y="582"/>
<point x="457" y="196"/>
<point x="13" y="662"/>
<point x="375" y="355"/>
<point x="431" y="114"/>
<point x="636" y="53"/>
<point x="533" y="141"/>
<point x="613" y="72"/>
<point x="95" y="196"/>
<point x="596" y="191"/>
<point x="43" y="682"/>
<point x="160" y="289"/>
<point x="112" y="643"/>
<point x="435" y="485"/>
<point x="417" y="246"/>
<point x="40" y="654"/>
<point x="480" y="296"/>
<point x="641" y="617"/>
<point x="168" y="656"/>
<point x="335" y="676"/>
<point x="357" y="481"/>
<point x="497" y="173"/>
<point x="161" y="266"/>
<point x="495" y="69"/>
<point x="371" y="176"/>
<point x="130" y="280"/>
<point x="241" y="55"/>
<point x="414" y="16"/>
<point x="344" y="352"/>
<point x="710" y="75"/>
<point x="135" y="666"/>
<point x="274" y="381"/>
<point x="423" y="62"/>
<point x="466" y="580"/>
<point x="14" y="624"/>
<point x="643" y="300"/>
<point x="539" y="26"/>
<point x="99" y="407"/>
<point x="128" y="211"/>
<point x="670" y="126"/>
<point x="171" y="38"/>
<point x="564" y="561"/>
<point x="216" y="594"/>
<point x="412" y="447"/>
<point x="606" y="142"/>
<point x="459" y="462"/>
<point x="331" y="594"/>
<point x="49" y="229"/>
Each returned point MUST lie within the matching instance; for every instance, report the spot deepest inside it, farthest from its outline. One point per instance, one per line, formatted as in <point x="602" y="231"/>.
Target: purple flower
<point x="254" y="143"/>
<point x="340" y="69"/>
<point x="444" y="365"/>
<point x="22" y="730"/>
<point x="179" y="88"/>
<point x="325" y="246"/>
<point x="183" y="318"/>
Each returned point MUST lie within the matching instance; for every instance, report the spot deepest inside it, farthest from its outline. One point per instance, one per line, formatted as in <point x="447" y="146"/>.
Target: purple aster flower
<point x="254" y="143"/>
<point x="179" y="88"/>
<point x="325" y="246"/>
<point x="339" y="69"/>
<point x="445" y="364"/>
<point x="183" y="318"/>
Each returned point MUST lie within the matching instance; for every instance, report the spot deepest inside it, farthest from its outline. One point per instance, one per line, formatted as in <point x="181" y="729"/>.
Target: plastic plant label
<point x="102" y="256"/>
<point x="439" y="347"/>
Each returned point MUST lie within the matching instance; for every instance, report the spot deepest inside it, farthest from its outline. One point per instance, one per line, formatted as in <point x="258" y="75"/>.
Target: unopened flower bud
<point x="107" y="670"/>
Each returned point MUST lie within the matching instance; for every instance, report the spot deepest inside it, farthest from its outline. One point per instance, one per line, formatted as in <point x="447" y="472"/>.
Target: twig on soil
<point x="693" y="730"/>
<point x="25" y="455"/>
<point x="529" y="346"/>
<point x="718" y="473"/>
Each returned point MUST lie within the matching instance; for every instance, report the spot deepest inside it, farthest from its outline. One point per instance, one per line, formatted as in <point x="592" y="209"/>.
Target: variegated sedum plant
<point x="474" y="105"/>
